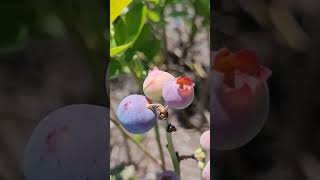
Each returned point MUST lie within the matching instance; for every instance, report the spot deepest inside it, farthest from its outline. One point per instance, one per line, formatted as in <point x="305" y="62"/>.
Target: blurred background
<point x="174" y="36"/>
<point x="285" y="34"/>
<point x="52" y="53"/>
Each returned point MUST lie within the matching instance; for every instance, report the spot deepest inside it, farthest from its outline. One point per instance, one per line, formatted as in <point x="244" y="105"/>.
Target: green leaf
<point x="16" y="24"/>
<point x="128" y="28"/>
<point x="147" y="43"/>
<point x="117" y="169"/>
<point x="115" y="69"/>
<point x="203" y="7"/>
<point x="179" y="13"/>
<point x="116" y="7"/>
<point x="154" y="1"/>
<point x="153" y="15"/>
<point x="120" y="32"/>
<point x="135" y="20"/>
<point x="139" y="68"/>
<point x="167" y="2"/>
<point x="119" y="49"/>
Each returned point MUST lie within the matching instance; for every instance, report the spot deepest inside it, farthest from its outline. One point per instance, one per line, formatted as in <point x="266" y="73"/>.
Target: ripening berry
<point x="134" y="115"/>
<point x="205" y="140"/>
<point x="153" y="84"/>
<point x="168" y="175"/>
<point x="178" y="93"/>
<point x="206" y="171"/>
<point x="69" y="143"/>
<point x="239" y="98"/>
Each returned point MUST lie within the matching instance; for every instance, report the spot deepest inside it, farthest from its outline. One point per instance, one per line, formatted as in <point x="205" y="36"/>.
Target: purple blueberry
<point x="167" y="175"/>
<point x="69" y="143"/>
<point x="134" y="114"/>
<point x="178" y="93"/>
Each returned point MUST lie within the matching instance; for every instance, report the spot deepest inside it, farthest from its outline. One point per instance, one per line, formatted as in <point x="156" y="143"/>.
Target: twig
<point x="156" y="130"/>
<point x="184" y="157"/>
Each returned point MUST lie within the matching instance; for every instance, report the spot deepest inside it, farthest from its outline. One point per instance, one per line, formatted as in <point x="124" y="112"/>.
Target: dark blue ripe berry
<point x="168" y="175"/>
<point x="134" y="114"/>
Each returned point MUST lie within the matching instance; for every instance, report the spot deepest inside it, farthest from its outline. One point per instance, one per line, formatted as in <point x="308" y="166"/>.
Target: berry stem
<point x="156" y="130"/>
<point x="172" y="152"/>
<point x="183" y="157"/>
<point x="154" y="105"/>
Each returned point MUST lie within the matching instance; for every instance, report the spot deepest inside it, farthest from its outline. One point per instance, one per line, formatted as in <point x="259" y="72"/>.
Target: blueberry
<point x="205" y="140"/>
<point x="167" y="175"/>
<point x="178" y="93"/>
<point x="245" y="113"/>
<point x="206" y="171"/>
<point x="69" y="143"/>
<point x="239" y="97"/>
<point x="153" y="84"/>
<point x="134" y="115"/>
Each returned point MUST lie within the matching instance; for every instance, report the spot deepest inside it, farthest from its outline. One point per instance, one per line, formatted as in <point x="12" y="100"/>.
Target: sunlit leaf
<point x="116" y="7"/>
<point x="119" y="49"/>
<point x="153" y="15"/>
<point x="128" y="28"/>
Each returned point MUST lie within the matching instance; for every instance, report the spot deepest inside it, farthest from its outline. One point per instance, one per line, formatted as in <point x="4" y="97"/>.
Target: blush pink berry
<point x="239" y="98"/>
<point x="205" y="140"/>
<point x="206" y="171"/>
<point x="153" y="84"/>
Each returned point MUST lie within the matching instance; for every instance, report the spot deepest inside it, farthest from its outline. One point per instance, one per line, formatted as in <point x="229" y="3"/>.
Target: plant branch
<point x="184" y="157"/>
<point x="172" y="152"/>
<point x="156" y="130"/>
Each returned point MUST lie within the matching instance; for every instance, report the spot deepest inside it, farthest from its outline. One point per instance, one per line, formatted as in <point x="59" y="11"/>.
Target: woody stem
<point x="183" y="157"/>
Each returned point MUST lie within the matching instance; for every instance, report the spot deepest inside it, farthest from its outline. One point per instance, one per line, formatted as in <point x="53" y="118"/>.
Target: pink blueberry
<point x="206" y="171"/>
<point x="69" y="143"/>
<point x="153" y="84"/>
<point x="178" y="93"/>
<point x="205" y="140"/>
<point x="168" y="175"/>
<point x="134" y="115"/>
<point x="239" y="98"/>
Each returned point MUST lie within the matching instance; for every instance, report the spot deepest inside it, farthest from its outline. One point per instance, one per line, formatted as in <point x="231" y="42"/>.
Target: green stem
<point x="175" y="162"/>
<point x="156" y="129"/>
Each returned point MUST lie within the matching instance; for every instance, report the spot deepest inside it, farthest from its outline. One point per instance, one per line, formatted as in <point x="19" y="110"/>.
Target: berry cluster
<point x="138" y="114"/>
